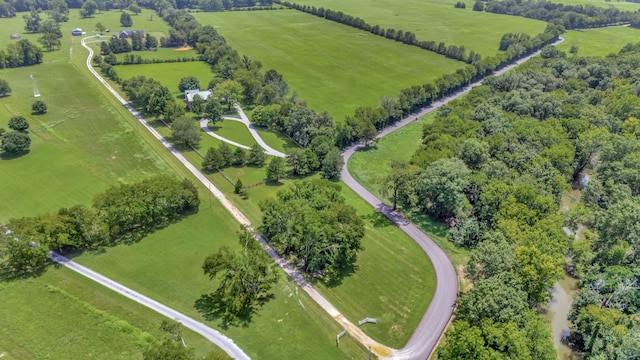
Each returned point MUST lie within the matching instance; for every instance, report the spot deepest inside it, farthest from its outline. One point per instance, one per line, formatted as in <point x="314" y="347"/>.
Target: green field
<point x="89" y="321"/>
<point x="622" y="5"/>
<point x="599" y="42"/>
<point x="436" y="20"/>
<point x="332" y="67"/>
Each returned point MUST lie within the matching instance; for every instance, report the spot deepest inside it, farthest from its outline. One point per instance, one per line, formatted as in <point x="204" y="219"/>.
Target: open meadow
<point x="601" y="41"/>
<point x="80" y="146"/>
<point x="69" y="307"/>
<point x="333" y="67"/>
<point x="436" y="20"/>
<point x="621" y="5"/>
<point x="169" y="74"/>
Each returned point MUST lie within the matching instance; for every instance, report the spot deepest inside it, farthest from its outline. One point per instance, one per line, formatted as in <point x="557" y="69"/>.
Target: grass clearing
<point x="77" y="319"/>
<point x="436" y="20"/>
<point x="333" y="67"/>
<point x="601" y="41"/>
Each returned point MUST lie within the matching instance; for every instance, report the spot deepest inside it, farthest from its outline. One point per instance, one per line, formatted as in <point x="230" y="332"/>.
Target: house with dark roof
<point x="76" y="32"/>
<point x="190" y="94"/>
<point x="126" y="34"/>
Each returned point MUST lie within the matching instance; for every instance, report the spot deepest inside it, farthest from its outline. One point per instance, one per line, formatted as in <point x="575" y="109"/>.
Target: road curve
<point x="245" y="120"/>
<point x="204" y="125"/>
<point x="225" y="343"/>
<point x="434" y="322"/>
<point x="292" y="272"/>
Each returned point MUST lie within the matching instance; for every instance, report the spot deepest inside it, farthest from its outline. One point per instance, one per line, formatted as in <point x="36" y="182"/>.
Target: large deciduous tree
<point x="125" y="20"/>
<point x="310" y="222"/>
<point x="186" y="132"/>
<point x="189" y="83"/>
<point x="276" y="169"/>
<point x="88" y="9"/>
<point x="440" y="189"/>
<point x="5" y="89"/>
<point x="229" y="91"/>
<point x="18" y="123"/>
<point x="246" y="278"/>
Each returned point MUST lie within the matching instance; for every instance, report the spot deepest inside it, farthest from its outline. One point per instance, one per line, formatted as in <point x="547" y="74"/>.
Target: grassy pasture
<point x="76" y="319"/>
<point x="332" y="67"/>
<point x="599" y="42"/>
<point x="622" y="5"/>
<point x="436" y="20"/>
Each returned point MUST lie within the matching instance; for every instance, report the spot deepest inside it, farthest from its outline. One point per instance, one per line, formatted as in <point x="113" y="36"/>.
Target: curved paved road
<point x="434" y="322"/>
<point x="225" y="343"/>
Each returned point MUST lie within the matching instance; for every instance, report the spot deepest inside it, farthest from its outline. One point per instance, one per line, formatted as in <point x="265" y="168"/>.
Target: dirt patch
<point x="465" y="284"/>
<point x="183" y="48"/>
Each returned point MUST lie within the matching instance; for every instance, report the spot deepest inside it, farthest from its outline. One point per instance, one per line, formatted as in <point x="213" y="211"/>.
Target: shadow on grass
<point x="10" y="156"/>
<point x="377" y="219"/>
<point x="213" y="309"/>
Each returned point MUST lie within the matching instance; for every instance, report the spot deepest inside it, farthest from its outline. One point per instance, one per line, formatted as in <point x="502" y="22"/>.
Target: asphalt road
<point x="434" y="322"/>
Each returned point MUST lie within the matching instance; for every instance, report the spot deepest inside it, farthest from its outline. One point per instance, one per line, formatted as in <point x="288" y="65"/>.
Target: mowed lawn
<point x="332" y="67"/>
<point x="166" y="266"/>
<point x="62" y="315"/>
<point x="436" y="20"/>
<point x="79" y="147"/>
<point x="600" y="42"/>
<point x="169" y="74"/>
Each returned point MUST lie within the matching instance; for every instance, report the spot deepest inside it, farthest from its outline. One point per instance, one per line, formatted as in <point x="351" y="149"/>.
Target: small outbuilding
<point x="76" y="32"/>
<point x="126" y="34"/>
<point x="189" y="94"/>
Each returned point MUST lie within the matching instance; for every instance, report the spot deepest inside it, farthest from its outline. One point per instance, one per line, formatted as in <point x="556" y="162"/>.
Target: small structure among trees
<point x="190" y="94"/>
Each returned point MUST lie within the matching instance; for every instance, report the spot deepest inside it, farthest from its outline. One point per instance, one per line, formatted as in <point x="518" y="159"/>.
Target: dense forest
<point x="496" y="164"/>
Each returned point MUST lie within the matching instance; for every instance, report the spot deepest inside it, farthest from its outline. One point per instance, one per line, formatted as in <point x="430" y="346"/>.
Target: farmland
<point x="436" y="20"/>
<point x="333" y="67"/>
<point x="600" y="42"/>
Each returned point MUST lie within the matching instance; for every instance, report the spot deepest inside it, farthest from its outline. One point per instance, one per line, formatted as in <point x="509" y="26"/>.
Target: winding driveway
<point x="434" y="322"/>
<point x="204" y="124"/>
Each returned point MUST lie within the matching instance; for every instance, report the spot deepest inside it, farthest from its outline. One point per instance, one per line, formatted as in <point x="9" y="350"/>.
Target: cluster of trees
<point x="218" y="158"/>
<point x="18" y="140"/>
<point x="8" y="8"/>
<point x="245" y="280"/>
<point x="495" y="164"/>
<point x="118" y="214"/>
<point x="152" y="96"/>
<point x="569" y="16"/>
<point x="225" y="5"/>
<point x="309" y="223"/>
<point x="117" y="45"/>
<point x="50" y="28"/>
<point x="20" y="53"/>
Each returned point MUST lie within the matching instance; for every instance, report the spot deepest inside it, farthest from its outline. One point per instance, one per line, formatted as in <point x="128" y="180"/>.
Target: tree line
<point x="569" y="16"/>
<point x="120" y="214"/>
<point x="20" y="53"/>
<point x="494" y="165"/>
